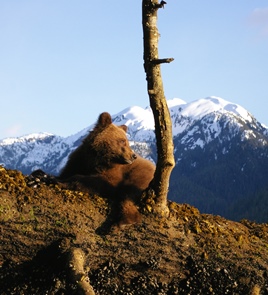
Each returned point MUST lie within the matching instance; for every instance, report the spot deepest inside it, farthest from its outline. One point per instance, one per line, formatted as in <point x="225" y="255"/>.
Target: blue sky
<point x="63" y="62"/>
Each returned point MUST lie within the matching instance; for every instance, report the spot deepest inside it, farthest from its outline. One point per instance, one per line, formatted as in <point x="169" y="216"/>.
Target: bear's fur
<point x="106" y="164"/>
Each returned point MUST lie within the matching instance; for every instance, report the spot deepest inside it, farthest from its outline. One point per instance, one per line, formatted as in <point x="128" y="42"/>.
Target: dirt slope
<point x="55" y="241"/>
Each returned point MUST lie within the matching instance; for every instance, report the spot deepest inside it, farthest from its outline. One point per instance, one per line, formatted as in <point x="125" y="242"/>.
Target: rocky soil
<point x="56" y="241"/>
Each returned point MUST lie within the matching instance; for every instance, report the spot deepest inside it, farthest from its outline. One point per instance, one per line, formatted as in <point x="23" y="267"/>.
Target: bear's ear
<point x="124" y="127"/>
<point x="104" y="120"/>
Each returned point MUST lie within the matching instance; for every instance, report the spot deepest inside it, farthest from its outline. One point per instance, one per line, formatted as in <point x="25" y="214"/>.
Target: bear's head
<point x="109" y="142"/>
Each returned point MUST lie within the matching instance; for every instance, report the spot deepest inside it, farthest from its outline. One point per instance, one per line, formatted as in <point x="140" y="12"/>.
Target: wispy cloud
<point x="259" y="19"/>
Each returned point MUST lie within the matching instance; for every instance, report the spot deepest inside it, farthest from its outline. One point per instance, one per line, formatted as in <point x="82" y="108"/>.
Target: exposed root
<point x="77" y="272"/>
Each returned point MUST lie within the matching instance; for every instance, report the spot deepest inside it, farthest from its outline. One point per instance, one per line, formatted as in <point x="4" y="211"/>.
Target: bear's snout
<point x="131" y="159"/>
<point x="134" y="157"/>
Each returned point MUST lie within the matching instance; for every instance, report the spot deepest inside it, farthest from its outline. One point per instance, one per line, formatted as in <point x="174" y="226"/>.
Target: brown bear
<point x="105" y="163"/>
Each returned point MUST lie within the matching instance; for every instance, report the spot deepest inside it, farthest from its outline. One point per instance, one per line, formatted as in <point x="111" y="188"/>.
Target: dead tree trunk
<point x="156" y="195"/>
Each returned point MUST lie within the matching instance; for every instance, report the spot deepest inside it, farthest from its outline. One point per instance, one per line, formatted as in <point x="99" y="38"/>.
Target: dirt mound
<point x="54" y="241"/>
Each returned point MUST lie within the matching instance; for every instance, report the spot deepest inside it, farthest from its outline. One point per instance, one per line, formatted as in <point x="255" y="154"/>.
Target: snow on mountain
<point x="197" y="123"/>
<point x="175" y="102"/>
<point x="25" y="138"/>
<point x="184" y="114"/>
<point x="29" y="152"/>
<point x="139" y="121"/>
<point x="201" y="107"/>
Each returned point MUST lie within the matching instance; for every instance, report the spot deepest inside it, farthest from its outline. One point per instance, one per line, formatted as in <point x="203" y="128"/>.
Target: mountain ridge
<point x="195" y="109"/>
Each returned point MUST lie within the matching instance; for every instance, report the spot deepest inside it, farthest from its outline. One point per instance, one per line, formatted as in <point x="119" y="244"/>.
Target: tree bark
<point x="156" y="194"/>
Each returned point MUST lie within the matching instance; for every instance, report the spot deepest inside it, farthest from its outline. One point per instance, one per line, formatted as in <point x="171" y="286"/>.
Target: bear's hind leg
<point x="128" y="213"/>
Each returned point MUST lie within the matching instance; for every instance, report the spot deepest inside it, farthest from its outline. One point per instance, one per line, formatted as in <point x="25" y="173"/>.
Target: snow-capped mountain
<point x="221" y="150"/>
<point x="208" y="112"/>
